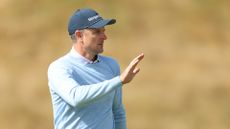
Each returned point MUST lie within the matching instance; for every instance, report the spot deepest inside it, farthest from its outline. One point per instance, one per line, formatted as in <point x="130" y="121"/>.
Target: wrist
<point x="122" y="80"/>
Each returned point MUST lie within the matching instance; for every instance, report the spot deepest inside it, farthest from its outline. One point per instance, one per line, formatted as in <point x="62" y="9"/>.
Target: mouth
<point x="100" y="44"/>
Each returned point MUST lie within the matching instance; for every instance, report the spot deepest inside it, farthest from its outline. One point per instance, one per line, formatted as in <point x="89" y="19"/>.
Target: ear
<point x="78" y="34"/>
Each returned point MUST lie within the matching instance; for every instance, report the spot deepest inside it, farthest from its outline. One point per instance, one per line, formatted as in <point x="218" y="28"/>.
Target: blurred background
<point x="184" y="79"/>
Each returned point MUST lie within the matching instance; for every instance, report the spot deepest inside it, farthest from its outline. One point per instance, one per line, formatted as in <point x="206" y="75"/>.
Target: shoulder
<point x="108" y="59"/>
<point x="111" y="62"/>
<point x="61" y="63"/>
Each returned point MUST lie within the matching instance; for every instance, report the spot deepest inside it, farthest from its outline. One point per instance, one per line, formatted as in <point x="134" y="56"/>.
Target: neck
<point x="85" y="54"/>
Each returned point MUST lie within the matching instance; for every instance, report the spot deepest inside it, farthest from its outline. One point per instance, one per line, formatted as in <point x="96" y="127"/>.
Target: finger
<point x="139" y="57"/>
<point x="132" y="65"/>
<point x="136" y="60"/>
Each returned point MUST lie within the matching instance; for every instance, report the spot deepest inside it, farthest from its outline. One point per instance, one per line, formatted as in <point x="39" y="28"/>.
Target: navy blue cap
<point x="87" y="18"/>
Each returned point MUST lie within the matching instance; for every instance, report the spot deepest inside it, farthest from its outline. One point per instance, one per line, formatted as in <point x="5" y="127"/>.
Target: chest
<point x="92" y="74"/>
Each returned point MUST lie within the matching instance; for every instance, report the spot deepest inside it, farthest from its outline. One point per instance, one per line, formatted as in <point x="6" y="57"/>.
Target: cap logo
<point x="93" y="17"/>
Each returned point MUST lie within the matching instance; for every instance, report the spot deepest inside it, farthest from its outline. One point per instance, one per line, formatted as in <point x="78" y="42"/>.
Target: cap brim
<point x="103" y="23"/>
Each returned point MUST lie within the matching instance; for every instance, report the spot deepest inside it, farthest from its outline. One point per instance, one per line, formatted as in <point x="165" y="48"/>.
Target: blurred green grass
<point x="184" y="78"/>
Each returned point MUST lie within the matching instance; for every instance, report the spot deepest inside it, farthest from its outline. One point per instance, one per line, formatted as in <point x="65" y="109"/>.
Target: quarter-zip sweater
<point x="86" y="94"/>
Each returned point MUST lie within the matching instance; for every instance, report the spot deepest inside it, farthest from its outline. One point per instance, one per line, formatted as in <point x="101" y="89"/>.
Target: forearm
<point x="78" y="95"/>
<point x="81" y="95"/>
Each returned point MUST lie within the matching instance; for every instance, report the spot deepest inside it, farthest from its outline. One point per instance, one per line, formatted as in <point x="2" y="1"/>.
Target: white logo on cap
<point x="93" y="17"/>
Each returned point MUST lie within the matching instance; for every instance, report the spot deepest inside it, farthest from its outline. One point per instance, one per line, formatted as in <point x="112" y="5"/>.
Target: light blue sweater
<point x="85" y="94"/>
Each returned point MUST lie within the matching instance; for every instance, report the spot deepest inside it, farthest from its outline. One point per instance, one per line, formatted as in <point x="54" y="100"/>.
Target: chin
<point x="100" y="52"/>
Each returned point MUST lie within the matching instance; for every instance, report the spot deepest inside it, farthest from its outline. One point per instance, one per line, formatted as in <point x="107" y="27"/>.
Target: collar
<point x="82" y="59"/>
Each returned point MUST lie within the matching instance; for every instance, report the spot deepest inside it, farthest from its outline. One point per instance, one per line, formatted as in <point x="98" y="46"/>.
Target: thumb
<point x="136" y="70"/>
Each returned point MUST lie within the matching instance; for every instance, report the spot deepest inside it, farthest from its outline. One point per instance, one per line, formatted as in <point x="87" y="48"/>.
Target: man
<point x="86" y="87"/>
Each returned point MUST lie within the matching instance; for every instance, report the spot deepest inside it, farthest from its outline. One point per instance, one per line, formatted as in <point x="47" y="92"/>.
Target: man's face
<point x="93" y="40"/>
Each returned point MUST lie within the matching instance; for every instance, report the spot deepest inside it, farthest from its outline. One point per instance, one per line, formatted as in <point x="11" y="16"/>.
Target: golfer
<point x="85" y="86"/>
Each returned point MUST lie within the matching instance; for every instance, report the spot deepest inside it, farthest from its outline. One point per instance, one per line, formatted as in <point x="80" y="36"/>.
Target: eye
<point x="97" y="31"/>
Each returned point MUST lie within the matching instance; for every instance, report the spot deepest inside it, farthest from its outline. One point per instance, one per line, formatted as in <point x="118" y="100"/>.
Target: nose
<point x="103" y="35"/>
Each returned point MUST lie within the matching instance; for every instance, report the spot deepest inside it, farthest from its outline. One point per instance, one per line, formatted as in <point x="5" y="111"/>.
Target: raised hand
<point x="131" y="70"/>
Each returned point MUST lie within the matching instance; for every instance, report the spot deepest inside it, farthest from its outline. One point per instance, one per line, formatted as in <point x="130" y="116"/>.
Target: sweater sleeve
<point x="118" y="108"/>
<point x="63" y="84"/>
<point x="119" y="111"/>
